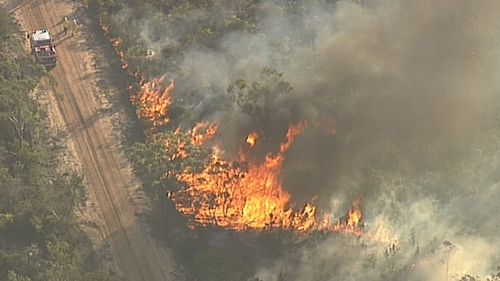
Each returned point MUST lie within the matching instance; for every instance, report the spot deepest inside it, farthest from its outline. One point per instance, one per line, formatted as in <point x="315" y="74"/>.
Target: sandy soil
<point x="64" y="159"/>
<point x="84" y="123"/>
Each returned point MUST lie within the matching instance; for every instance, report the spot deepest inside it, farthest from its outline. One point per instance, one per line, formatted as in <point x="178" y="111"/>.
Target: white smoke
<point x="413" y="87"/>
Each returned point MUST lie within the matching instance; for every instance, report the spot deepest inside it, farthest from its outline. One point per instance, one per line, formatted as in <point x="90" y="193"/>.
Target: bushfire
<point x="239" y="195"/>
<point x="243" y="195"/>
<point x="153" y="101"/>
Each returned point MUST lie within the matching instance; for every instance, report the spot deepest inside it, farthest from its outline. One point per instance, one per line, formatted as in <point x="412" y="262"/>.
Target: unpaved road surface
<point x="104" y="165"/>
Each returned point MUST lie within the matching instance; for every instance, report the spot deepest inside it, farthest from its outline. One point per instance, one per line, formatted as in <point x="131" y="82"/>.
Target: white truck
<point x="42" y="47"/>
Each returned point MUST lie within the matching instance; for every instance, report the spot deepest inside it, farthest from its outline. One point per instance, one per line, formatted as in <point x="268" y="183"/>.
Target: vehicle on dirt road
<point x="42" y="47"/>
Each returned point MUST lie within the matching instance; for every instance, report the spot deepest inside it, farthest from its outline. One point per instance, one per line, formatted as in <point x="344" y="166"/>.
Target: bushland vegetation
<point x="157" y="38"/>
<point x="39" y="236"/>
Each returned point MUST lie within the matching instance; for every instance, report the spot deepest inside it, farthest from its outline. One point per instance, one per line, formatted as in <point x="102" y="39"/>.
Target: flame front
<point x="240" y="196"/>
<point x="235" y="195"/>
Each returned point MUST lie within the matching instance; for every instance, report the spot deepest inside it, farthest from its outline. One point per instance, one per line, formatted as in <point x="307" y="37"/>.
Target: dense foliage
<point x="39" y="237"/>
<point x="203" y="23"/>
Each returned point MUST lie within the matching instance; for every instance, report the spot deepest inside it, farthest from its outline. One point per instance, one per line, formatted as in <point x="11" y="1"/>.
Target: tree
<point x="257" y="99"/>
<point x="159" y="159"/>
<point x="39" y="239"/>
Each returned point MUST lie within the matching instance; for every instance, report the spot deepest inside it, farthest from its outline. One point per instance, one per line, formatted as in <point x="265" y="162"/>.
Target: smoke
<point x="412" y="89"/>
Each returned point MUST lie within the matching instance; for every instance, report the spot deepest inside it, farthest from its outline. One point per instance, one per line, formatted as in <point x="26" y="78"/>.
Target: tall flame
<point x="354" y="215"/>
<point x="153" y="101"/>
<point x="240" y="195"/>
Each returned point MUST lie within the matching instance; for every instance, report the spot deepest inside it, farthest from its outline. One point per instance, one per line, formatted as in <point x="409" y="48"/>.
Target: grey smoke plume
<point x="413" y="89"/>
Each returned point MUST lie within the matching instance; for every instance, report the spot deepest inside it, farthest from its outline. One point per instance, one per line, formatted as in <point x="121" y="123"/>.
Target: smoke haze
<point x="412" y="89"/>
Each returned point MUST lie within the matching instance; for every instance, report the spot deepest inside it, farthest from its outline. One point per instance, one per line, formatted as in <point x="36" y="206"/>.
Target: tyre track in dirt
<point x="131" y="244"/>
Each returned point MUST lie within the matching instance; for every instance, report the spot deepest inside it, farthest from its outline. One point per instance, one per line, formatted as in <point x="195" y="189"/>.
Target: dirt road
<point x="137" y="255"/>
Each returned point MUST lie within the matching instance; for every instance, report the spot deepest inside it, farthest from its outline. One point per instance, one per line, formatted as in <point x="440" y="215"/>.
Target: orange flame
<point x="352" y="223"/>
<point x="354" y="216"/>
<point x="198" y="135"/>
<point x="233" y="196"/>
<point x="227" y="194"/>
<point x="180" y="148"/>
<point x="202" y="132"/>
<point x="153" y="102"/>
<point x="252" y="139"/>
<point x="117" y="43"/>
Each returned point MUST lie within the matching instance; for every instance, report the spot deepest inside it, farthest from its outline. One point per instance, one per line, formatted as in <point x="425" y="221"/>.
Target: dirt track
<point x="98" y="149"/>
